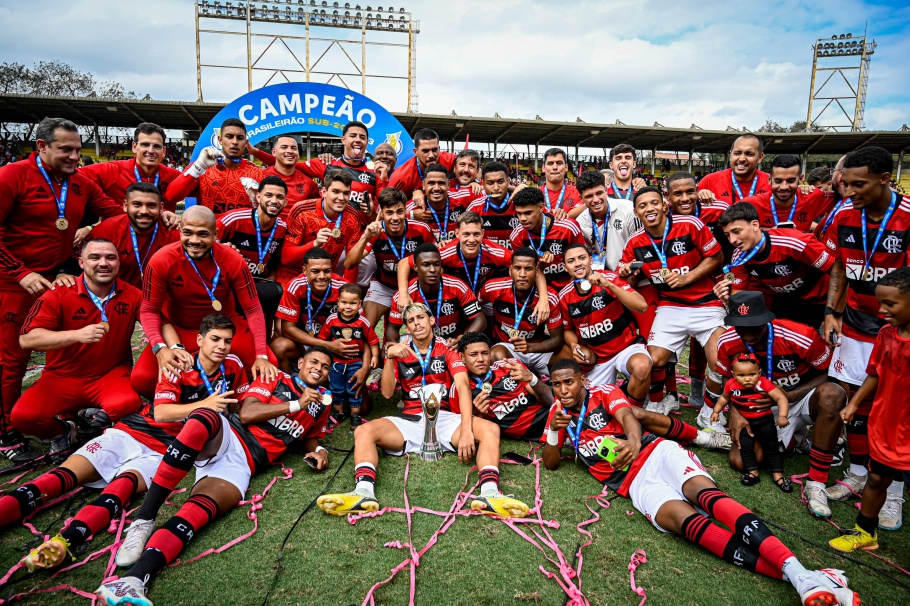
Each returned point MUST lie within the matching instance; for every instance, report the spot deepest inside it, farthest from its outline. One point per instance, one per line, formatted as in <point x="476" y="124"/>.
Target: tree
<point x="770" y="126"/>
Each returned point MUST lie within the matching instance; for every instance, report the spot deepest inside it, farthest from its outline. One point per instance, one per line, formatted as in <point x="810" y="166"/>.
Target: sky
<point x="710" y="63"/>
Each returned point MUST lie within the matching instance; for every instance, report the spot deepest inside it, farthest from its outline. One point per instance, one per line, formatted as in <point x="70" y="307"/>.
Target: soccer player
<point x="332" y="226"/>
<point x="440" y="211"/>
<point x="146" y="166"/>
<point x="742" y="179"/>
<point x="42" y="200"/>
<point x="868" y="238"/>
<point x="85" y="330"/>
<point x="820" y="178"/>
<point x="606" y="222"/>
<point x="667" y="482"/>
<point x="548" y="236"/>
<point x="418" y="366"/>
<point x="505" y="391"/>
<point x="795" y="358"/>
<point x="679" y="255"/>
<point x="599" y="328"/>
<point x="496" y="207"/>
<point x="305" y="306"/>
<point x="561" y="199"/>
<point x="465" y="188"/>
<point x="455" y="308"/>
<point x="889" y="419"/>
<point x="391" y="238"/>
<point x="186" y="281"/>
<point x="258" y="235"/>
<point x="300" y="187"/>
<point x="682" y="195"/>
<point x="409" y="176"/>
<point x="137" y="233"/>
<point x="622" y="163"/>
<point x="520" y="332"/>
<point x="788" y="266"/>
<point x="789" y="204"/>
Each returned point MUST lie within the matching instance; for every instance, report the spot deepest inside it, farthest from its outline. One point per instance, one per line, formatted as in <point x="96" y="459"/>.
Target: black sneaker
<point x="65" y="440"/>
<point x="16" y="447"/>
<point x="356" y="421"/>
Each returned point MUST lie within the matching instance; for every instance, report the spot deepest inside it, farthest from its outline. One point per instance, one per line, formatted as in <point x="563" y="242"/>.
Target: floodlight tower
<point x="253" y="22"/>
<point x="842" y="108"/>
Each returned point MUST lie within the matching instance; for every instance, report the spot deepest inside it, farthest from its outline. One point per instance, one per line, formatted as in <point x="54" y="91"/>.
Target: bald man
<point x="186" y="281"/>
<point x="385" y="154"/>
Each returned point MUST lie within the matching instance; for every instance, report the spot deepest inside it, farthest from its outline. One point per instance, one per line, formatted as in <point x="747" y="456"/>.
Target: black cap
<point x="747" y="308"/>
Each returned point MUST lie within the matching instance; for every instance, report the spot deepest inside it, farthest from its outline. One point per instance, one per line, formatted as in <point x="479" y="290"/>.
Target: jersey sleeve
<point x="567" y="322"/>
<point x="100" y="203"/>
<point x="369" y="335"/>
<point x="395" y="313"/>
<point x="628" y="254"/>
<point x="724" y="361"/>
<point x="325" y="332"/>
<point x="453" y="360"/>
<point x="225" y="231"/>
<point x="314" y="169"/>
<point x="167" y="391"/>
<point x="469" y="303"/>
<point x="616" y="401"/>
<point x="619" y="281"/>
<point x="729" y="386"/>
<point x="289" y="307"/>
<point x="10" y="180"/>
<point x="740" y="277"/>
<point x="261" y="390"/>
<point x="555" y="319"/>
<point x="878" y="351"/>
<point x="765" y="385"/>
<point x="706" y="242"/>
<point x="814" y="254"/>
<point x="45" y="313"/>
<point x="818" y="353"/>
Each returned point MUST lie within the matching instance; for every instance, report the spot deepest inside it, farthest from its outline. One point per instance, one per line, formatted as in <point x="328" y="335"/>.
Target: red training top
<point x="117" y="230"/>
<point x="889" y="423"/>
<point x="115" y="177"/>
<point x="721" y="183"/>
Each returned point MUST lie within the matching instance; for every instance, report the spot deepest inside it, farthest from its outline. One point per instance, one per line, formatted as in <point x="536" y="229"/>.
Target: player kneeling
<point x="666" y="482"/>
<point x="424" y="361"/>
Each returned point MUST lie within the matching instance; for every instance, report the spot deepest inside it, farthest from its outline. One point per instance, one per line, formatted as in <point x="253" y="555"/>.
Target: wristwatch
<point x="178" y="346"/>
<point x="158" y="347"/>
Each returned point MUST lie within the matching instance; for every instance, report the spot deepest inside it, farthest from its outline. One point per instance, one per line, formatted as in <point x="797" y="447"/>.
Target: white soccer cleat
<point x="654" y="406"/>
<point x="669" y="404"/>
<point x="817" y="499"/>
<point x="852" y="485"/>
<point x="815" y="589"/>
<point x="836" y="580"/>
<point x="708" y="438"/>
<point x="137" y="535"/>
<point x="128" y="590"/>
<point x="890" y="517"/>
<point x="704" y="421"/>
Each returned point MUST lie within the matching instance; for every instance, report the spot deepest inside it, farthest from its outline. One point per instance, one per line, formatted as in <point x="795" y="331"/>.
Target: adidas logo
<point x="688" y="471"/>
<point x="648" y="255"/>
<point x="41" y="189"/>
<point x="850" y="239"/>
<point x="486" y="224"/>
<point x="80" y="312"/>
<point x="245" y="243"/>
<point x="179" y="279"/>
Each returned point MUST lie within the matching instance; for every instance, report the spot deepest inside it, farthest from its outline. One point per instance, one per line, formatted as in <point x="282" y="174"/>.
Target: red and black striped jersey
<point x="844" y="237"/>
<point x="800" y="354"/>
<point x="709" y="214"/>
<point x="791" y="263"/>
<point x="600" y="422"/>
<point x="745" y="400"/>
<point x="463" y="194"/>
<point x="805" y="209"/>
<point x="688" y="242"/>
<point x="721" y="184"/>
<point x="387" y="260"/>
<point x="570" y="197"/>
<point x="266" y="442"/>
<point x="497" y="225"/>
<point x="449" y="221"/>
<point x="238" y="228"/>
<point x="500" y="293"/>
<point x="452" y="304"/>
<point x="186" y="388"/>
<point x="358" y="329"/>
<point x="559" y="235"/>
<point x="295" y="308"/>
<point x="494" y="263"/>
<point x="512" y="406"/>
<point x="598" y="318"/>
<point x="442" y="367"/>
<point x="614" y="191"/>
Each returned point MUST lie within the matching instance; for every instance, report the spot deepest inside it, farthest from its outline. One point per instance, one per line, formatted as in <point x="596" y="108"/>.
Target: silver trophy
<point x="431" y="397"/>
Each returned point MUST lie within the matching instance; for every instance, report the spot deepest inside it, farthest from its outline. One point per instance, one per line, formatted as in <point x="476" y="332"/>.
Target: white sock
<point x="489" y="488"/>
<point x="896" y="489"/>
<point x="793" y="569"/>
<point x="364" y="486"/>
<point x="858" y="470"/>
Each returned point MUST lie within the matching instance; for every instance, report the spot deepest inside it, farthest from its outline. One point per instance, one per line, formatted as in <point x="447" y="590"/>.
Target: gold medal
<point x="729" y="276"/>
<point x="216" y="304"/>
<point x="336" y="233"/>
<point x="513" y="333"/>
<point x="105" y="325"/>
<point x="664" y="272"/>
<point x="62" y="224"/>
<point x="486" y="388"/>
<point x="260" y="268"/>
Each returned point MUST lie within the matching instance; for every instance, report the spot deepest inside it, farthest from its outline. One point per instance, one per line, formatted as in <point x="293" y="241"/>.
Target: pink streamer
<point x="638" y="558"/>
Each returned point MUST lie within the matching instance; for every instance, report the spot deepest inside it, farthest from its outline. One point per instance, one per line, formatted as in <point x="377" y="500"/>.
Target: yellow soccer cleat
<point x="855" y="539"/>
<point x="48" y="554"/>
<point x="348" y="502"/>
<point x="505" y="506"/>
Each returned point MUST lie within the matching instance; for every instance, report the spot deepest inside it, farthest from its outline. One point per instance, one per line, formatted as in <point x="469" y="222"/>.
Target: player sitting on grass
<point x="889" y="422"/>
<point x="421" y="361"/>
<point x="666" y="482"/>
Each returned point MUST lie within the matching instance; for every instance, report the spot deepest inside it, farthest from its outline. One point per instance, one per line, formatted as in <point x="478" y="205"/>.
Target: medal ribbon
<point x="64" y="189"/>
<point x="472" y="283"/>
<point x="139" y="177"/>
<point x="404" y="241"/>
<point x="742" y="259"/>
<point x="424" y="362"/>
<point x="488" y="204"/>
<point x="521" y="314"/>
<point x="309" y="305"/>
<point x="792" y="209"/>
<point x="663" y="243"/>
<point x="443" y="226"/>
<point x="215" y="279"/>
<point x="148" y="250"/>
<point x="833" y="212"/>
<point x="486" y="379"/>
<point x="438" y="299"/>
<point x="303" y="386"/>
<point x="327" y="220"/>
<point x="574" y="436"/>
<point x="263" y="251"/>
<point x="769" y="363"/>
<point x="600" y="243"/>
<point x="205" y="378"/>
<point x="101" y="304"/>
<point x="739" y="190"/>
<point x="562" y="193"/>
<point x="616" y="190"/>
<point x="867" y="254"/>
<point x="543" y="235"/>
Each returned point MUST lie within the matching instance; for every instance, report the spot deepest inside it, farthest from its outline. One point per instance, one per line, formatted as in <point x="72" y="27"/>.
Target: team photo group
<point x="279" y="298"/>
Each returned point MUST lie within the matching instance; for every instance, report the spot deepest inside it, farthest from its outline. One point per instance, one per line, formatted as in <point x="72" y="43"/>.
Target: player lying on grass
<point x="666" y="482"/>
<point x="424" y="361"/>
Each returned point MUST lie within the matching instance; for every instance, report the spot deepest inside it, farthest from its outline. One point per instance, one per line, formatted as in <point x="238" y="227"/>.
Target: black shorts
<point x="881" y="469"/>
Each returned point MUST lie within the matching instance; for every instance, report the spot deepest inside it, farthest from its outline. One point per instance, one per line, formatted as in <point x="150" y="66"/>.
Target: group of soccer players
<point x="516" y="308"/>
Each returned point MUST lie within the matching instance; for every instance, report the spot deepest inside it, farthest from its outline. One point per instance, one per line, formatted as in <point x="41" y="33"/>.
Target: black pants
<point x="765" y="432"/>
<point x="269" y="295"/>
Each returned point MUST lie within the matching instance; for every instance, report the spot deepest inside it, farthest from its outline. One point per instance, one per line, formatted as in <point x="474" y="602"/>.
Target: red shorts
<point x="646" y="318"/>
<point x="15" y="306"/>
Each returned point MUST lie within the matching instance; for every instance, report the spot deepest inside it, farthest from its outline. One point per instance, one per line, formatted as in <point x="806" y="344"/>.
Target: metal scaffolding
<point x="842" y="109"/>
<point x="300" y="15"/>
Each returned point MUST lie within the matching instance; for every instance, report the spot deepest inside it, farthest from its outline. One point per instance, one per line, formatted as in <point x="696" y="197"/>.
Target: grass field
<point x="479" y="560"/>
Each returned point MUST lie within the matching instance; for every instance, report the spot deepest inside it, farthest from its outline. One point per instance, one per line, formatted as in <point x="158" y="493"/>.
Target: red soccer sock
<point x="489" y="479"/>
<point x="365" y="472"/>
<point x="721" y="542"/>
<point x="670" y="380"/>
<point x="680" y="431"/>
<point x="27" y="498"/>
<point x="819" y="464"/>
<point x="96" y="516"/>
<point x="698" y="361"/>
<point x="658" y="378"/>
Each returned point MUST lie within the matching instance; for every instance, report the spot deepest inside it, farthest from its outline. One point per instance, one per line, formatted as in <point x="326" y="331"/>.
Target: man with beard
<point x="742" y="179"/>
<point x="465" y="188"/>
<point x="496" y="209"/>
<point x="440" y="211"/>
<point x="409" y="176"/>
<point x="623" y="163"/>
<point x="385" y="154"/>
<point x="300" y="187"/>
<point x="606" y="222"/>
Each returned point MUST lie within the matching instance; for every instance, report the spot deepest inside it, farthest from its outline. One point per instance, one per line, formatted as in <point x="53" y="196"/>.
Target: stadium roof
<point x="193" y="116"/>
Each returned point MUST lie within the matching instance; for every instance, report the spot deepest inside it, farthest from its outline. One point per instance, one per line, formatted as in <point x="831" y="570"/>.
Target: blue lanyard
<point x="263" y="251"/>
<point x="404" y="241"/>
<point x="562" y="193"/>
<point x="480" y="382"/>
<point x="543" y="235"/>
<point x="327" y="220"/>
<point x="205" y="378"/>
<point x="742" y="259"/>
<point x="139" y="177"/>
<point x="578" y="423"/>
<point x="424" y="362"/>
<point x="215" y="279"/>
<point x="521" y="314"/>
<point x="739" y="190"/>
<point x="438" y="299"/>
<point x="488" y="204"/>
<point x="309" y="304"/>
<point x="472" y="283"/>
<point x="834" y="211"/>
<point x="443" y="226"/>
<point x="64" y="187"/>
<point x="303" y="386"/>
<point x="148" y="250"/>
<point x="792" y="209"/>
<point x="618" y="193"/>
<point x="769" y="363"/>
<point x="101" y="305"/>
<point x="419" y="172"/>
<point x="601" y="244"/>
<point x="867" y="255"/>
<point x="663" y="243"/>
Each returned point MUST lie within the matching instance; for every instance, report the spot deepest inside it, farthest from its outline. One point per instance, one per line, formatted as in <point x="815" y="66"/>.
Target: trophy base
<point x="429" y="453"/>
